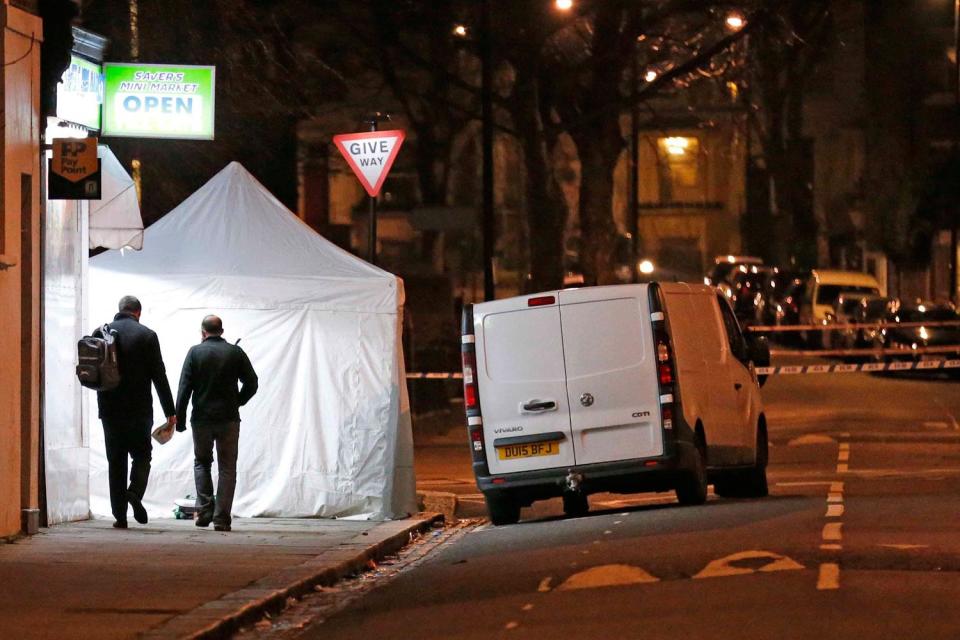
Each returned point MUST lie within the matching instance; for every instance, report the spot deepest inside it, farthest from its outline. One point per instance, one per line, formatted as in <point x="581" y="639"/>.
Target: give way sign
<point x="370" y="155"/>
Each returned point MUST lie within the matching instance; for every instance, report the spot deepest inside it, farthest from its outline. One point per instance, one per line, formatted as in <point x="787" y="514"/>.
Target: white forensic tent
<point x="70" y="228"/>
<point x="328" y="433"/>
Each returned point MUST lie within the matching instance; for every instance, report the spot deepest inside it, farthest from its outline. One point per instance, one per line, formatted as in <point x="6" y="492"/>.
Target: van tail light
<point x="664" y="364"/>
<point x="666" y="376"/>
<point x="476" y="438"/>
<point x="471" y="399"/>
<point x="541" y="301"/>
<point x="666" y="416"/>
<point x="471" y="392"/>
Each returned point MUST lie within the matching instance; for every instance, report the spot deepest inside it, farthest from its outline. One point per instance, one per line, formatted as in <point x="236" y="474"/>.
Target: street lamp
<point x="954" y="249"/>
<point x="563" y="5"/>
<point x="650" y="75"/>
<point x="735" y="21"/>
<point x="460" y="31"/>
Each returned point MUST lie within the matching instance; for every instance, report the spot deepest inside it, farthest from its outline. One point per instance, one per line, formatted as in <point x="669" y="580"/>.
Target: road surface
<point x="860" y="538"/>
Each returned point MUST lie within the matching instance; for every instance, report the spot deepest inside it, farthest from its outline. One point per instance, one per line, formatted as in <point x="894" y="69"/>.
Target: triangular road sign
<point x="370" y="155"/>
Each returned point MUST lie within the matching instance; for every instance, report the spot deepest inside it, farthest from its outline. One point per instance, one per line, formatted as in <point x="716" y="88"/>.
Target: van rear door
<point x="612" y="388"/>
<point x="521" y="378"/>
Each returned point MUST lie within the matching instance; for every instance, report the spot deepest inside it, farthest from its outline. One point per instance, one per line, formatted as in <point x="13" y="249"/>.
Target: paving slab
<point x="170" y="579"/>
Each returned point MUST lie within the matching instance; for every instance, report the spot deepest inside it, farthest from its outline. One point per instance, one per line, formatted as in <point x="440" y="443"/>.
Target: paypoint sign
<point x="158" y="101"/>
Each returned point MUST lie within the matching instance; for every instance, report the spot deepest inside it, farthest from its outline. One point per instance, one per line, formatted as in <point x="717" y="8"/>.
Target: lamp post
<point x="634" y="157"/>
<point x="953" y="227"/>
<point x="486" y="108"/>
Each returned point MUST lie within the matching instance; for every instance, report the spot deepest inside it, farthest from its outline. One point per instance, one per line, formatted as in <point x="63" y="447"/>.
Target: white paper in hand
<point x="163" y="433"/>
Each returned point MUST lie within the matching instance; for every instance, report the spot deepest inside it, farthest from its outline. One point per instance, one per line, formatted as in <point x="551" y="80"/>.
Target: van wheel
<point x="727" y="485"/>
<point x="755" y="478"/>
<point x="575" y="504"/>
<point x="503" y="509"/>
<point x="750" y="482"/>
<point x="692" y="485"/>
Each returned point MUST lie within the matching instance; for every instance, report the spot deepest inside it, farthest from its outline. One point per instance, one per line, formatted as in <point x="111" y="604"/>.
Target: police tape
<point x="868" y="353"/>
<point x="786" y="370"/>
<point x="849" y="326"/>
<point x="435" y="376"/>
<point x="869" y="367"/>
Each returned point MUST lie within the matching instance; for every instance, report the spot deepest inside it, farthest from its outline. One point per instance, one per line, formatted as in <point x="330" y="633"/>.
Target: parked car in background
<point x="907" y="340"/>
<point x="786" y="297"/>
<point x="821" y="293"/>
<point x="750" y="287"/>
<point x="859" y="316"/>
<point x="725" y="268"/>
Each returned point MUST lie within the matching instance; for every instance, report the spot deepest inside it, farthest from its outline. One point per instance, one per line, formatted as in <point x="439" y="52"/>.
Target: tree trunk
<point x="546" y="209"/>
<point x="598" y="157"/>
<point x="599" y="143"/>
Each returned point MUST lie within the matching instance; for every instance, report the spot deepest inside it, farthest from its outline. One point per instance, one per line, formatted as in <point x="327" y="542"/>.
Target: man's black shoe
<point x="139" y="513"/>
<point x="203" y="521"/>
<point x="120" y="524"/>
<point x="221" y="527"/>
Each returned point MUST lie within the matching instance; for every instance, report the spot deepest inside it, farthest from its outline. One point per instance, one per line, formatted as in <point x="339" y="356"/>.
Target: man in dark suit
<point x="210" y="374"/>
<point x="127" y="411"/>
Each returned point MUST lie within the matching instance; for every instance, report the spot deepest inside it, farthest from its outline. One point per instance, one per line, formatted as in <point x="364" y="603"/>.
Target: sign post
<point x="74" y="172"/>
<point x="370" y="156"/>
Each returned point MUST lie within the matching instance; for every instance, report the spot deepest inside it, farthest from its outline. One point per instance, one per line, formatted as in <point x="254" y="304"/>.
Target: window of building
<point x="679" y="166"/>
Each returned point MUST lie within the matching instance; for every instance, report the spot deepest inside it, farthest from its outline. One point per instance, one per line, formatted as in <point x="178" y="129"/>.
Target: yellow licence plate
<point x="531" y="450"/>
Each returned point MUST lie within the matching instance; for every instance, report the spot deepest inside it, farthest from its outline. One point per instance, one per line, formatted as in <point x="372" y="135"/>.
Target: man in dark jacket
<point x="127" y="410"/>
<point x="210" y="374"/>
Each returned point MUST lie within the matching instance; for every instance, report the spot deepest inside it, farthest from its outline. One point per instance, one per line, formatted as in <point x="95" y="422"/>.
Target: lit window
<point x="679" y="161"/>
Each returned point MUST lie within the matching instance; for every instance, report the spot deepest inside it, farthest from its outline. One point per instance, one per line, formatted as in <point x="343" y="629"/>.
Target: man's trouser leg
<point x="116" y="450"/>
<point x="228" y="443"/>
<point x="202" y="461"/>
<point x="140" y="448"/>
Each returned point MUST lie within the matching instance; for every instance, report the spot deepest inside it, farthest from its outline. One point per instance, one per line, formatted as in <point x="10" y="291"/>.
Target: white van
<point x="641" y="387"/>
<point x="823" y="289"/>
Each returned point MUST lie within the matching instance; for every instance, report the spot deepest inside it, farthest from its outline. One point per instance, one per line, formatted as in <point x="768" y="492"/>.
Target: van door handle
<point x="737" y="386"/>
<point x="536" y="406"/>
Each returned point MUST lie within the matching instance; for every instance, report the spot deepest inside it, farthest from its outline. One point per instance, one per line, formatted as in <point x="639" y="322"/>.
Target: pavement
<point x="169" y="579"/>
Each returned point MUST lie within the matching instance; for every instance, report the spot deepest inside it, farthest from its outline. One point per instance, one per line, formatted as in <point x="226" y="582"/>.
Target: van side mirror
<point x="758" y="350"/>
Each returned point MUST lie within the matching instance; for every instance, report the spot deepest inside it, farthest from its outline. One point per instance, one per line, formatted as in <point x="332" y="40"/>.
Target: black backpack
<point x="97" y="366"/>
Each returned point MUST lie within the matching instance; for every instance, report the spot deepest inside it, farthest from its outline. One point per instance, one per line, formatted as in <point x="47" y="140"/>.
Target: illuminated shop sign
<point x="80" y="93"/>
<point x="158" y="101"/>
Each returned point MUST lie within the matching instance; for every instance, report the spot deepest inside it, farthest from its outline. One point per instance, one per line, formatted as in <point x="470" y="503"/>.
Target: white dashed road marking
<point x="832" y="531"/>
<point x="829" y="577"/>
